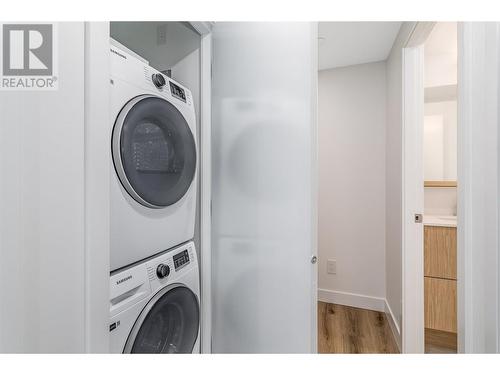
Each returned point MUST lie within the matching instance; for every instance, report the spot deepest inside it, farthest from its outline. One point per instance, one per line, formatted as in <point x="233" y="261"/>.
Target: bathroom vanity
<point x="440" y="277"/>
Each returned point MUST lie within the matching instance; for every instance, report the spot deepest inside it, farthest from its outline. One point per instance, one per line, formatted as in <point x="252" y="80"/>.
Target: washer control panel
<point x="181" y="259"/>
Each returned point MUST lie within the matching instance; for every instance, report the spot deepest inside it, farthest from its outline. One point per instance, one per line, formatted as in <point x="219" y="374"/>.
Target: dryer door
<point x="168" y="324"/>
<point x="154" y="151"/>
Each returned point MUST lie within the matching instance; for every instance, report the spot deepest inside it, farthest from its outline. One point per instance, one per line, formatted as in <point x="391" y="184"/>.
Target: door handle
<point x="314" y="259"/>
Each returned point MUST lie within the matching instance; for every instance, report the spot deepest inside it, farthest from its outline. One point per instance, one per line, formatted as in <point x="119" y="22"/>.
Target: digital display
<point x="177" y="91"/>
<point x="181" y="259"/>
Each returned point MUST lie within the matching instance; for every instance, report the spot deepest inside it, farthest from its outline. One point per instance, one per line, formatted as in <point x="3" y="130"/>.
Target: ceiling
<point x="350" y="43"/>
<point x="152" y="41"/>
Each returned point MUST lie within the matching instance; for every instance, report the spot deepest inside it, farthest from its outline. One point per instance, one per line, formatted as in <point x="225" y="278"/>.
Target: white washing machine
<point x="155" y="305"/>
<point x="153" y="192"/>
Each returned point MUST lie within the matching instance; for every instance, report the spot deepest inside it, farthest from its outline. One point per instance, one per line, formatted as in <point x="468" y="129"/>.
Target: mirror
<point x="440" y="141"/>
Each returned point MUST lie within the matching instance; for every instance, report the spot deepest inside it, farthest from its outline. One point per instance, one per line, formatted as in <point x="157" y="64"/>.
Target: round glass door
<point x="168" y="324"/>
<point x="154" y="151"/>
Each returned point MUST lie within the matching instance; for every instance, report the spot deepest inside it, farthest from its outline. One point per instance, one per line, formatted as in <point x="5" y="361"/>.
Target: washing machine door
<point x="154" y="151"/>
<point x="168" y="324"/>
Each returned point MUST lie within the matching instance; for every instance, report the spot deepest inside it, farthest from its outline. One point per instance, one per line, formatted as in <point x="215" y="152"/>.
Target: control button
<point x="162" y="271"/>
<point x="158" y="80"/>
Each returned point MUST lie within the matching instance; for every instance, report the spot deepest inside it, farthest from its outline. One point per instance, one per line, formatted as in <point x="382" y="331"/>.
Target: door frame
<point x="314" y="188"/>
<point x="478" y="226"/>
<point x="412" y="203"/>
<point x="206" y="192"/>
<point x="205" y="145"/>
<point x="97" y="160"/>
<point x="412" y="329"/>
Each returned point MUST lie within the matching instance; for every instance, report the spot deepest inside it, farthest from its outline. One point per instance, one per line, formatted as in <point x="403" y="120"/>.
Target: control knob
<point x="162" y="271"/>
<point x="158" y="80"/>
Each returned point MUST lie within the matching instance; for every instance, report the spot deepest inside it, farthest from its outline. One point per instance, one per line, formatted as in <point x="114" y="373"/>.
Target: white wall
<point x="443" y="201"/>
<point x="352" y="117"/>
<point x="433" y="147"/>
<point x="440" y="201"/>
<point x="448" y="147"/>
<point x="42" y="210"/>
<point x="54" y="165"/>
<point x="393" y="218"/>
<point x="440" y="57"/>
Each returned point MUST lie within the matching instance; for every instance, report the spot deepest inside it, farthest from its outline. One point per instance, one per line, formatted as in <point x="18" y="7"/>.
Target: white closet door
<point x="264" y="187"/>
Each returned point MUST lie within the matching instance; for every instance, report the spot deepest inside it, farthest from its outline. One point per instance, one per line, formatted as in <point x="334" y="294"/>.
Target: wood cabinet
<point x="440" y="278"/>
<point x="440" y="252"/>
<point x="440" y="304"/>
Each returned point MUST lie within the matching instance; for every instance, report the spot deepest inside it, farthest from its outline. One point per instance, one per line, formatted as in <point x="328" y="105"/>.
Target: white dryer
<point x="153" y="192"/>
<point x="155" y="305"/>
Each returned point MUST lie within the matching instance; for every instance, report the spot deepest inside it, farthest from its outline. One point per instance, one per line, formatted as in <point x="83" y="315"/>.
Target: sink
<point x="440" y="220"/>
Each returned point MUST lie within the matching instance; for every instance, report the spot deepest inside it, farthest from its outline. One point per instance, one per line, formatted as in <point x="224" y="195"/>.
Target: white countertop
<point x="440" y="221"/>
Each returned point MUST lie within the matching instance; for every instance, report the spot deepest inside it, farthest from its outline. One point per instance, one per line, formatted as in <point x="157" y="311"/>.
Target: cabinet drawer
<point x="440" y="252"/>
<point x="440" y="304"/>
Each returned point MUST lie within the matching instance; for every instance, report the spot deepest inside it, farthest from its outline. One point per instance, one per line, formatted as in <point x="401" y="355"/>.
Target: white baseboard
<point x="393" y="323"/>
<point x="351" y="299"/>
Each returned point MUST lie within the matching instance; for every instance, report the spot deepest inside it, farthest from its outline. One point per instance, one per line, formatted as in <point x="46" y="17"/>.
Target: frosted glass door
<point x="263" y="147"/>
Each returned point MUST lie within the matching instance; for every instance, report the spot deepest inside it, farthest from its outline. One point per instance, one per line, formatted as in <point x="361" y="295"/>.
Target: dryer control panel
<point x="181" y="259"/>
<point x="177" y="91"/>
<point x="131" y="69"/>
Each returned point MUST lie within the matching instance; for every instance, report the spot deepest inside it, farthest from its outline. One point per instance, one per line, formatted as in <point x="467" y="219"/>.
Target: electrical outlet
<point x="331" y="266"/>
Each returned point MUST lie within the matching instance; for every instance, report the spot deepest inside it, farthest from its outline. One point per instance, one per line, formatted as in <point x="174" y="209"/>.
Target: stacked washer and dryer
<point x="154" y="283"/>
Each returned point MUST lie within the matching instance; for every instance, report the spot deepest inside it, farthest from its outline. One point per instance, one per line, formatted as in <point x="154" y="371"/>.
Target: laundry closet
<point x="254" y="142"/>
<point x="154" y="195"/>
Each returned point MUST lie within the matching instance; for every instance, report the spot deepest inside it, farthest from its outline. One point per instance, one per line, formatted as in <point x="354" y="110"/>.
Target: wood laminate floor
<point x="343" y="329"/>
<point x="440" y="342"/>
